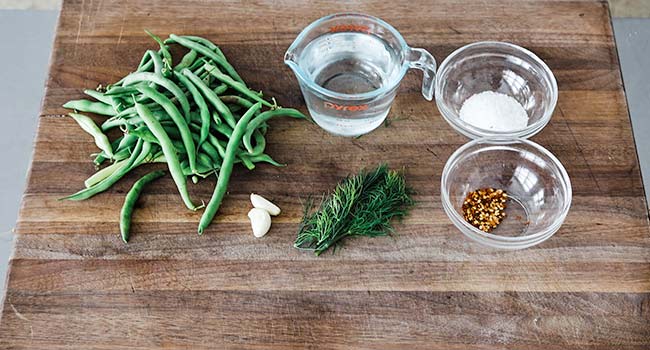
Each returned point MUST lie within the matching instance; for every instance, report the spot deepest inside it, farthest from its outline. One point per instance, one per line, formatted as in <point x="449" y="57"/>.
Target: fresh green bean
<point x="89" y="126"/>
<point x="263" y="158"/>
<point x="211" y="97"/>
<point x="207" y="161"/>
<point x="99" y="96"/>
<point x="186" y="61"/>
<point x="260" y="143"/>
<point x="202" y="171"/>
<point x="103" y="173"/>
<point x="238" y="100"/>
<point x="226" y="168"/>
<point x="246" y="161"/>
<point x="101" y="157"/>
<point x="216" y="143"/>
<point x="220" y="89"/>
<point x="90" y="106"/>
<point x="238" y="86"/>
<point x="117" y="104"/>
<point x="177" y="118"/>
<point x="158" y="64"/>
<point x="200" y="103"/>
<point x="144" y="134"/>
<point x="265" y="116"/>
<point x="133" y="161"/>
<point x="145" y="64"/>
<point x="205" y="51"/>
<point x="164" y="51"/>
<point x="164" y="82"/>
<point x="131" y="198"/>
<point x="170" y="153"/>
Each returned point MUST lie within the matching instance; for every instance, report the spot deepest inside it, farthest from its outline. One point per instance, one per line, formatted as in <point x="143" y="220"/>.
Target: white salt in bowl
<point x="499" y="67"/>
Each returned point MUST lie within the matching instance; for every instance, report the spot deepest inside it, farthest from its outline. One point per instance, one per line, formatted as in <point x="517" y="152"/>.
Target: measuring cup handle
<point x="421" y="59"/>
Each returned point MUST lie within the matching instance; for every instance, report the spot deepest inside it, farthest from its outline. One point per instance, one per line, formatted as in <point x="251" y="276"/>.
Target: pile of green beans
<point x="198" y="117"/>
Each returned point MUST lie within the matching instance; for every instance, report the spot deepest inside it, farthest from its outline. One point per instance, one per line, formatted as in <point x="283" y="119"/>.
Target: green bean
<point x="145" y="64"/>
<point x="220" y="89"/>
<point x="170" y="153"/>
<point x="103" y="185"/>
<point x="207" y="43"/>
<point x="103" y="173"/>
<point x="200" y="103"/>
<point x="212" y="147"/>
<point x="236" y="85"/>
<point x="164" y="82"/>
<point x="238" y="100"/>
<point x="205" y="160"/>
<point x="164" y="51"/>
<point x="144" y="134"/>
<point x="89" y="126"/>
<point x="202" y="171"/>
<point x="177" y="118"/>
<point x="211" y="97"/>
<point x="126" y="142"/>
<point x="90" y="106"/>
<point x="226" y="168"/>
<point x="101" y="157"/>
<point x="122" y="154"/>
<point x="186" y="61"/>
<point x="263" y="117"/>
<point x="205" y="51"/>
<point x="99" y="96"/>
<point x="212" y="152"/>
<point x="131" y="198"/>
<point x="263" y="158"/>
<point x="158" y="64"/>
<point x="198" y="64"/>
<point x="246" y="161"/>
<point x="260" y="143"/>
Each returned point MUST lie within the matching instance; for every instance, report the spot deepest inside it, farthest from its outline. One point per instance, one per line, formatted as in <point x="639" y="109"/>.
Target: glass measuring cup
<point x="349" y="67"/>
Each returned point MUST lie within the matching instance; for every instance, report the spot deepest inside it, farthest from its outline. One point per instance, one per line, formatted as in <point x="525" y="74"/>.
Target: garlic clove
<point x="260" y="221"/>
<point x="263" y="203"/>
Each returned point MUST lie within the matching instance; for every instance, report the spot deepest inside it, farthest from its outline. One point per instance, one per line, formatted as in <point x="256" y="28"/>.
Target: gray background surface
<point x="24" y="62"/>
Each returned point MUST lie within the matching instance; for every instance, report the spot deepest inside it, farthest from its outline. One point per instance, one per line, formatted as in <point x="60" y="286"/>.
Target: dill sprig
<point x="360" y="205"/>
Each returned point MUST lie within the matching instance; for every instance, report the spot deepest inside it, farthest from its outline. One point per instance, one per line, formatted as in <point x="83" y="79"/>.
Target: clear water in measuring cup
<point x="350" y="63"/>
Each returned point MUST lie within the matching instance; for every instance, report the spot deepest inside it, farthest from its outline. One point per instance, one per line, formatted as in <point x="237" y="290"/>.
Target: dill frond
<point x="360" y="205"/>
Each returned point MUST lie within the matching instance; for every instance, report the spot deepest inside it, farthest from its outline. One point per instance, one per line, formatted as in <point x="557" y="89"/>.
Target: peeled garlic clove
<point x="263" y="203"/>
<point x="260" y="221"/>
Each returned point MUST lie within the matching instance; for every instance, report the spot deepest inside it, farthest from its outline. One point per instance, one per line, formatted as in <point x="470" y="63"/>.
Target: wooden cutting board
<point x="74" y="284"/>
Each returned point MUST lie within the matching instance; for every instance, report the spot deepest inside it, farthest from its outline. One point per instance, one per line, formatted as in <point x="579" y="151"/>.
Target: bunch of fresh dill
<point x="361" y="205"/>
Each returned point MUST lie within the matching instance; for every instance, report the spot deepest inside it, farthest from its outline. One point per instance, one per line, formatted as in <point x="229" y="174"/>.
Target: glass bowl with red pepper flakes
<point x="505" y="193"/>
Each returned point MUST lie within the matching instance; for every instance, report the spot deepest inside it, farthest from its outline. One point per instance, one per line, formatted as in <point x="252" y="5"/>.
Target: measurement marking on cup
<point x="338" y="107"/>
<point x="350" y="28"/>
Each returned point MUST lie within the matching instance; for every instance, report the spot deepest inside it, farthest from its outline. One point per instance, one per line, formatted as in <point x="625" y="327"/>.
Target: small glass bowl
<point x="500" y="67"/>
<point x="537" y="185"/>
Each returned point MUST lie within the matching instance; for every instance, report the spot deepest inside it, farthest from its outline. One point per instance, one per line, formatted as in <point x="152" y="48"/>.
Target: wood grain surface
<point x="74" y="285"/>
